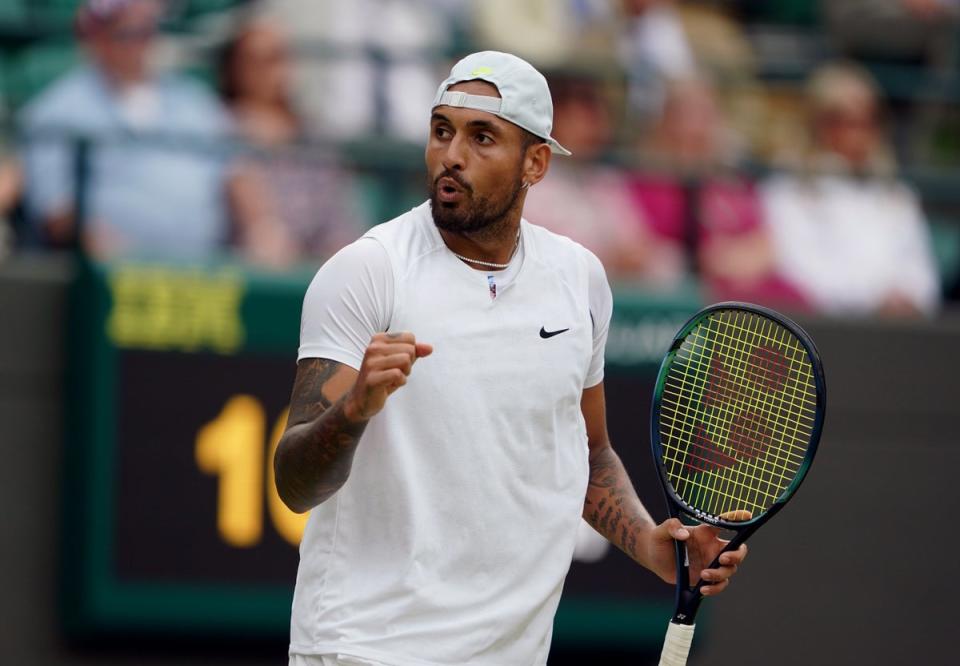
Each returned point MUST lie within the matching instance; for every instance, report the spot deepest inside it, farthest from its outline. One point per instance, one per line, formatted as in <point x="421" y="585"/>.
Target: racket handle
<point x="676" y="646"/>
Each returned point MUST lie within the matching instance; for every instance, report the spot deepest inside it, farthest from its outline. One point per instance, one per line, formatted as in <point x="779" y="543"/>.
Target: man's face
<point x="852" y="131"/>
<point x="120" y="45"/>
<point x="474" y="164"/>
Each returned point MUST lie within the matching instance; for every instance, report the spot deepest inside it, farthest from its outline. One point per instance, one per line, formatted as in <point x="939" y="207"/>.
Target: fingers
<point x="391" y="378"/>
<point x="718" y="579"/>
<point x="388" y="360"/>
<point x="384" y="350"/>
<point x="674" y="529"/>
<point x="715" y="588"/>
<point x="719" y="573"/>
<point x="737" y="516"/>
<point x="401" y="360"/>
<point x="405" y="340"/>
<point x="734" y="557"/>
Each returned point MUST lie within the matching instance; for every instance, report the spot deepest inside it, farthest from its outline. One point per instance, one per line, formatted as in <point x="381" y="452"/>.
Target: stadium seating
<point x="37" y="45"/>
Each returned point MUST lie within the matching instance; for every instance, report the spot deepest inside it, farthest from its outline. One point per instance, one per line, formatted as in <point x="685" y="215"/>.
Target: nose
<point x="454" y="156"/>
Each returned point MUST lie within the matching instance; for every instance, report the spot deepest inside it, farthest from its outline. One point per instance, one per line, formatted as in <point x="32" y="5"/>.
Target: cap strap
<point x="478" y="102"/>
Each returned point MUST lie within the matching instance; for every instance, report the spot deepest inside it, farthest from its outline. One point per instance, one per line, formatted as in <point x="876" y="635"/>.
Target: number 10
<point x="232" y="448"/>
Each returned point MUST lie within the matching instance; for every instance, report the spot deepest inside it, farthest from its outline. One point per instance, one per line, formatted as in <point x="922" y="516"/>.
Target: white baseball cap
<point x="524" y="95"/>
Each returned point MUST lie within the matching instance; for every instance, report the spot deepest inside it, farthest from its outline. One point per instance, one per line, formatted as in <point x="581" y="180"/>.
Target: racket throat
<point x="688" y="602"/>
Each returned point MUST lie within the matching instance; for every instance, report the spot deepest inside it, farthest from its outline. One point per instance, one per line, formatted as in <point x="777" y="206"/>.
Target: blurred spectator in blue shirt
<point x="153" y="188"/>
<point x="297" y="189"/>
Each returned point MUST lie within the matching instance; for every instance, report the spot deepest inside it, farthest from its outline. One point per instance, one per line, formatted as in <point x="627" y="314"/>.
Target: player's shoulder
<point x="363" y="259"/>
<point x="559" y="250"/>
<point x="408" y="236"/>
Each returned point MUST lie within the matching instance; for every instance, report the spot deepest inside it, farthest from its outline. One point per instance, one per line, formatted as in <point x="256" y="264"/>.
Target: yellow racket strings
<point x="737" y="413"/>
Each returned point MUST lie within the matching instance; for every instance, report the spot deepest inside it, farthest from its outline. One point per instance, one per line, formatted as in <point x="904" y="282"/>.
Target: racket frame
<point x="688" y="598"/>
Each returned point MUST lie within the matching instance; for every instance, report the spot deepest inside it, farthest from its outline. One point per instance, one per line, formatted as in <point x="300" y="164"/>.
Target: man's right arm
<point x="329" y="410"/>
<point x="315" y="453"/>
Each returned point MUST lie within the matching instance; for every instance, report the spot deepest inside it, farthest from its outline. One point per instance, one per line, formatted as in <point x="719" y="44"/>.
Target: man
<point x="451" y="366"/>
<point x="151" y="190"/>
<point x="846" y="231"/>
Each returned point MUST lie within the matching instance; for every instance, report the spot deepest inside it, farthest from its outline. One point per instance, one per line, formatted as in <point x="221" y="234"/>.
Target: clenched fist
<point x="387" y="361"/>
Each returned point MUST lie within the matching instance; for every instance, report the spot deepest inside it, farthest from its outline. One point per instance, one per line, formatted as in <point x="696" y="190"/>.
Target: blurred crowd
<point x="687" y="166"/>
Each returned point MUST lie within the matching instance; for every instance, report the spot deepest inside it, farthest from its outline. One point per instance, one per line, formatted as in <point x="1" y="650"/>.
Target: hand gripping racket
<point x="737" y="412"/>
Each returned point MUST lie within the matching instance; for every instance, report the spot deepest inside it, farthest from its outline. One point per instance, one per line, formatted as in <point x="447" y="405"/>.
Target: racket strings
<point x="747" y="399"/>
<point x="718" y="376"/>
<point x="702" y="456"/>
<point x="737" y="413"/>
<point x="717" y="379"/>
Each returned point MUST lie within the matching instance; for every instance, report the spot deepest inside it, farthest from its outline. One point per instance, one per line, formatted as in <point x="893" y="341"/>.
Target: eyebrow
<point x="478" y="124"/>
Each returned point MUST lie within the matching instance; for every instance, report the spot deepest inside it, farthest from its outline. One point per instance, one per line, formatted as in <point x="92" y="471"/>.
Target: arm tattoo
<point x="308" y="401"/>
<point x="612" y="506"/>
<point x="315" y="453"/>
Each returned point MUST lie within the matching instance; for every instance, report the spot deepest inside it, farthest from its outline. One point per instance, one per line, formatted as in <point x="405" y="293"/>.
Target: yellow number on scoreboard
<point x="290" y="525"/>
<point x="231" y="447"/>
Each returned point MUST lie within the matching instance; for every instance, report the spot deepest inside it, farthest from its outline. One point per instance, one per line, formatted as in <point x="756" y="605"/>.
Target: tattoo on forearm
<point x="315" y="455"/>
<point x="612" y="506"/>
<point x="308" y="401"/>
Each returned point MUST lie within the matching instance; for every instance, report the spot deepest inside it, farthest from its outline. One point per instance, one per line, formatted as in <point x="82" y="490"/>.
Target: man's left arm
<point x="613" y="509"/>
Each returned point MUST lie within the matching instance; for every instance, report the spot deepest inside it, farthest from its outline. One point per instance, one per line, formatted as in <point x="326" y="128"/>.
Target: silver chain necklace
<point x="491" y="264"/>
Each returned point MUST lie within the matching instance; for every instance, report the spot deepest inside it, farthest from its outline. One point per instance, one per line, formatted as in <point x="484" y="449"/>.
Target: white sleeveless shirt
<point x="450" y="541"/>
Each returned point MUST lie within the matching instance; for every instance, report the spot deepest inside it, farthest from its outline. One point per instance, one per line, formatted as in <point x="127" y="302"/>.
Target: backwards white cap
<point x="524" y="95"/>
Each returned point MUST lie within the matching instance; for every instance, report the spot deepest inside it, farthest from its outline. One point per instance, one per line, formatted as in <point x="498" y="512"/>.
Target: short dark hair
<point x="530" y="139"/>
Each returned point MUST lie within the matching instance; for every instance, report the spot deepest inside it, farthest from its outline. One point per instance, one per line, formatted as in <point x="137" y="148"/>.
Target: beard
<point x="472" y="213"/>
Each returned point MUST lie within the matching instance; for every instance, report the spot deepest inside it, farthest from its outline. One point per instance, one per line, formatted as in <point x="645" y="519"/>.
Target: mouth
<point x="449" y="190"/>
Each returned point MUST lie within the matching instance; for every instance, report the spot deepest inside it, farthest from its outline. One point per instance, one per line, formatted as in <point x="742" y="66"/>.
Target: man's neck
<point x="121" y="84"/>
<point x="494" y="244"/>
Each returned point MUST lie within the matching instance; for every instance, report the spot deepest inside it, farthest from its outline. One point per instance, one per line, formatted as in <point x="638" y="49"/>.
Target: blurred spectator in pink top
<point x="302" y="190"/>
<point x="692" y="194"/>
<point x="592" y="203"/>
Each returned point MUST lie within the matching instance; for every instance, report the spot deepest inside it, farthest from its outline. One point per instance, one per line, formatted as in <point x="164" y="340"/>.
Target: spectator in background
<point x="669" y="40"/>
<point x="367" y="66"/>
<point x="847" y="232"/>
<point x="548" y="32"/>
<point x="693" y="194"/>
<point x="592" y="203"/>
<point x="144" y="195"/>
<point x="306" y="196"/>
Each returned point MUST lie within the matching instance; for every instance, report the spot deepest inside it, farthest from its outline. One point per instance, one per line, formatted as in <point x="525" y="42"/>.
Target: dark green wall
<point x="859" y="569"/>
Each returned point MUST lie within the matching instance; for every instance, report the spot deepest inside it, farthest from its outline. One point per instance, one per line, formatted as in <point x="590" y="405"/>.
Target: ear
<point x="536" y="162"/>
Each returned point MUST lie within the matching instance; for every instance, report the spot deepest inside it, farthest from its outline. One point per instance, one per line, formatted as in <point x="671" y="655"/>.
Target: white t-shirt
<point x="450" y="541"/>
<point x="849" y="244"/>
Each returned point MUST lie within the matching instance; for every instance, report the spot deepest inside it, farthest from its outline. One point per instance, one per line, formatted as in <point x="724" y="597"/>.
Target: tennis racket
<point x="737" y="412"/>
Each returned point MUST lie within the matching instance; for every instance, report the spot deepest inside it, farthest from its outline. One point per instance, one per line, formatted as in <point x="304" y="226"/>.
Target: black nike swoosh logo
<point x="544" y="333"/>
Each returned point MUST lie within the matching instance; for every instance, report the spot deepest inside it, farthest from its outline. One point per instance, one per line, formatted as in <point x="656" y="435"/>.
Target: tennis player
<point x="447" y="423"/>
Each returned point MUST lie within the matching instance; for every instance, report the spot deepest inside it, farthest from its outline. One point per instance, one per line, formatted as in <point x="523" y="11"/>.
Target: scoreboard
<point x="177" y="391"/>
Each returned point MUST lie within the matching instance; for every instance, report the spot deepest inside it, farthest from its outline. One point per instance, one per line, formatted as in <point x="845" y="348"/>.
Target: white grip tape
<point x="676" y="646"/>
